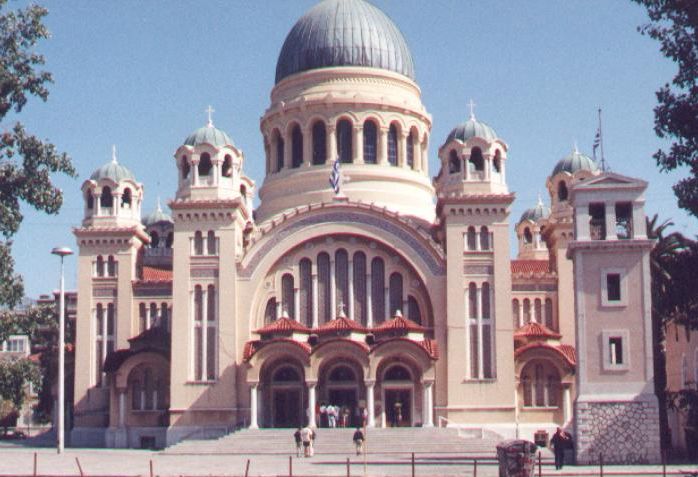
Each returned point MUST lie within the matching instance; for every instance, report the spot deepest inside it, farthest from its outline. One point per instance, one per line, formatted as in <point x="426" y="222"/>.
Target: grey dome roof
<point x="576" y="161"/>
<point x="344" y="33"/>
<point x="157" y="216"/>
<point x="114" y="171"/>
<point x="472" y="128"/>
<point x="208" y="135"/>
<point x="535" y="213"/>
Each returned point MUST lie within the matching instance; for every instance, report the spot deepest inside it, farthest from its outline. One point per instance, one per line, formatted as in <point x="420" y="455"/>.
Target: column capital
<point x="369" y="382"/>
<point x="311" y="384"/>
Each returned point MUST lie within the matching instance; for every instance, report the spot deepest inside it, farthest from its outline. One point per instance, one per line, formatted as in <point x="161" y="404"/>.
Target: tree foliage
<point x="14" y="376"/>
<point x="674" y="23"/>
<point x="26" y="162"/>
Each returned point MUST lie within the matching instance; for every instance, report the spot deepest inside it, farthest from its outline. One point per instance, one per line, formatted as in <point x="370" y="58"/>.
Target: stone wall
<point x="625" y="432"/>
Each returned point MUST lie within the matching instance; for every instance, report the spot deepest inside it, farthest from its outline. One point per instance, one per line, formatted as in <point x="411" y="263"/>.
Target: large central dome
<point x="344" y="33"/>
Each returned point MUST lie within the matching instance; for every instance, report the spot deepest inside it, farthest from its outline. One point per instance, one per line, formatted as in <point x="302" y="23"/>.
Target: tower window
<point x="624" y="220"/>
<point x="477" y="161"/>
<point x="410" y="151"/>
<point x="205" y="165"/>
<point x="126" y="198"/>
<point x="154" y="239"/>
<point x="344" y="146"/>
<point x="597" y="221"/>
<point x="90" y="200"/>
<point x="615" y="348"/>
<point x="528" y="236"/>
<point x="613" y="287"/>
<point x="319" y="143"/>
<point x="296" y="146"/>
<point x="392" y="145"/>
<point x="453" y="162"/>
<point x="279" y="153"/>
<point x="497" y="162"/>
<point x="227" y="170"/>
<point x="186" y="168"/>
<point x="562" y="191"/>
<point x="370" y="142"/>
<point x="106" y="199"/>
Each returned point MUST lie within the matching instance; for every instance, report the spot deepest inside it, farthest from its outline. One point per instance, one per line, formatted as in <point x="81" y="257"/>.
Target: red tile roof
<point x="398" y="323"/>
<point x="569" y="352"/>
<point x="530" y="266"/>
<point x="339" y="325"/>
<point x="360" y="344"/>
<point x="251" y="347"/>
<point x="429" y="346"/>
<point x="565" y="352"/>
<point x="536" y="330"/>
<point x="153" y="274"/>
<point x="283" y="325"/>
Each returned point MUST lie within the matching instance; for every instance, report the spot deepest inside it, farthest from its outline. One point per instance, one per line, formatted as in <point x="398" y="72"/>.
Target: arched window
<point x="279" y="152"/>
<point x="378" y="289"/>
<point x="484" y="238"/>
<point x="413" y="311"/>
<point x="323" y="278"/>
<point x="286" y="374"/>
<point x="344" y="146"/>
<point x="472" y="301"/>
<point x="136" y="395"/>
<point x="227" y="170"/>
<point x="527" y="310"/>
<point x="89" y="199"/>
<point x="549" y="319"/>
<point x="527" y="236"/>
<point x="199" y="332"/>
<point x="126" y="198"/>
<point x="342" y="374"/>
<point x="541" y="385"/>
<point x="169" y="240"/>
<point x="538" y="310"/>
<point x="111" y="266"/>
<point x="341" y="271"/>
<point x="410" y="151"/>
<point x="472" y="238"/>
<point x="270" y="311"/>
<point x="198" y="243"/>
<point x="186" y="168"/>
<point x="527" y="391"/>
<point x="306" y="292"/>
<point x="485" y="301"/>
<point x="477" y="162"/>
<point x="205" y="164"/>
<point x="397" y="373"/>
<point x="296" y="146"/>
<point x="154" y="321"/>
<point x="515" y="312"/>
<point x="319" y="143"/>
<point x="154" y="239"/>
<point x="497" y="162"/>
<point x="211" y="243"/>
<point x="99" y="267"/>
<point x="562" y="191"/>
<point x="287" y="301"/>
<point x="359" y="264"/>
<point x="392" y="145"/>
<point x="370" y="142"/>
<point x="106" y="200"/>
<point x="396" y="294"/>
<point x="453" y="162"/>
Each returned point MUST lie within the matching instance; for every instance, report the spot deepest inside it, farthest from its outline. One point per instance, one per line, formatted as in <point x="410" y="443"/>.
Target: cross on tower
<point x="113" y="153"/>
<point x="471" y="105"/>
<point x="210" y="110"/>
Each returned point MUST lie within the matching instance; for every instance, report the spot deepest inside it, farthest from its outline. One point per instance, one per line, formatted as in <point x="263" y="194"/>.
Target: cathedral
<point x="390" y="293"/>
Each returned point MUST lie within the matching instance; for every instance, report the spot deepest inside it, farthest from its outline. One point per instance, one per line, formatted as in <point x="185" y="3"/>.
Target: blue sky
<point x="139" y="74"/>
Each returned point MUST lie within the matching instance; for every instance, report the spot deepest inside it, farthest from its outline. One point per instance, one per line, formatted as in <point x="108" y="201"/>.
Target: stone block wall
<point x="624" y="432"/>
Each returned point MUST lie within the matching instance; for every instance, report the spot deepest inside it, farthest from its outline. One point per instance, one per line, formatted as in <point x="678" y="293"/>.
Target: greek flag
<point x="336" y="177"/>
<point x="597" y="142"/>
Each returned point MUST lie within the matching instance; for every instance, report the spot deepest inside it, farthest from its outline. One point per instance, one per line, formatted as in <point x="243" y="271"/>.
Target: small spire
<point x="576" y="148"/>
<point x="540" y="201"/>
<point x="159" y="207"/>
<point x="210" y="112"/>
<point x="113" y="153"/>
<point x="398" y="313"/>
<point x="342" y="311"/>
<point x="284" y="314"/>
<point x="471" y="105"/>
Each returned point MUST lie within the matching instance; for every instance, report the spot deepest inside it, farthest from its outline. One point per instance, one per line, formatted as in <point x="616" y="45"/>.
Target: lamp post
<point x="60" y="431"/>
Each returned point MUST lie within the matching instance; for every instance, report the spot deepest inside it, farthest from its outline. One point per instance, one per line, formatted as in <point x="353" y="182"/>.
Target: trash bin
<point x="517" y="458"/>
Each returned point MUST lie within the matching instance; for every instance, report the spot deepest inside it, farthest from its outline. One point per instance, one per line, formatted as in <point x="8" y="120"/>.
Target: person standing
<point x="323" y="415"/>
<point x="358" y="440"/>
<point x="332" y="415"/>
<point x="306" y="437"/>
<point x="560" y="443"/>
<point x="299" y="441"/>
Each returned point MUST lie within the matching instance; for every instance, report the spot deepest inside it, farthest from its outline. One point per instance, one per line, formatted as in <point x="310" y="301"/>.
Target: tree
<point x="674" y="23"/>
<point x="26" y="166"/>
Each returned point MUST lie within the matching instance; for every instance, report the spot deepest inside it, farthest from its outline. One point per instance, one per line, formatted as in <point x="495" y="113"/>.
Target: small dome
<point x="575" y="161"/>
<point x="535" y="213"/>
<point x="113" y="170"/>
<point x="471" y="128"/>
<point x="208" y="135"/>
<point x="157" y="216"/>
<point x="344" y="33"/>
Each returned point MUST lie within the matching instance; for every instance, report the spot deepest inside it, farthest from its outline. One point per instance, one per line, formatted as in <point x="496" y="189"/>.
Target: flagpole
<point x="603" y="158"/>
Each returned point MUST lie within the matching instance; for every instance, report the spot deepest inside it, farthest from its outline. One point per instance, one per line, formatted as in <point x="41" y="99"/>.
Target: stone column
<point x="288" y="150"/>
<point x="194" y="169"/>
<point x="402" y="150"/>
<point x="488" y="167"/>
<point x="253" y="406"/>
<point x="370" y="404"/>
<point x="358" y="144"/>
<point x="383" y="146"/>
<point x="350" y="299"/>
<point x="466" y="169"/>
<point x="331" y="144"/>
<point x="639" y="227"/>
<point x="307" y="147"/>
<point x="566" y="404"/>
<point x="428" y="405"/>
<point x="521" y="313"/>
<point x="369" y="300"/>
<point x="122" y="407"/>
<point x="311" y="405"/>
<point x="610" y="221"/>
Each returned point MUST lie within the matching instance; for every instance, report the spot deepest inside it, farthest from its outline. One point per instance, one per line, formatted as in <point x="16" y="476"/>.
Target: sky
<point x="140" y="75"/>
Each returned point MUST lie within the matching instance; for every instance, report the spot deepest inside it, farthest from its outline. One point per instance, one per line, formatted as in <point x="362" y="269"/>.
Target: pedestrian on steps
<point x="306" y="434"/>
<point x="358" y="440"/>
<point x="299" y="441"/>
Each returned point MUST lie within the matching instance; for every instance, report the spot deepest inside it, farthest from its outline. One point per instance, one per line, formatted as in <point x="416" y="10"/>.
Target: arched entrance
<point x="398" y="396"/>
<point x="341" y="385"/>
<point x="284" y="396"/>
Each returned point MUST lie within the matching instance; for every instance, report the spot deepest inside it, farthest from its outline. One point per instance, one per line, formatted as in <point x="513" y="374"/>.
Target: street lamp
<point x="60" y="432"/>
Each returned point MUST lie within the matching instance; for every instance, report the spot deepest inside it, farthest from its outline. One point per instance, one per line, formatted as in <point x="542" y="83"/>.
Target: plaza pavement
<point x="17" y="460"/>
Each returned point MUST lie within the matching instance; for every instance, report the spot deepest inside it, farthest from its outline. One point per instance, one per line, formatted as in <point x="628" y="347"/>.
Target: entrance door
<point x="288" y="410"/>
<point x="398" y="407"/>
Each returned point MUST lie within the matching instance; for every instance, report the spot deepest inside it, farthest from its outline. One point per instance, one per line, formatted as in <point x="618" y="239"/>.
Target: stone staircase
<point x="444" y="441"/>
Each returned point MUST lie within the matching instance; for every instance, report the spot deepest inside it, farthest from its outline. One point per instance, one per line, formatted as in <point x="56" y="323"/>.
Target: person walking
<point x="299" y="441"/>
<point x="306" y="437"/>
<point x="358" y="440"/>
<point x="560" y="443"/>
<point x="332" y="415"/>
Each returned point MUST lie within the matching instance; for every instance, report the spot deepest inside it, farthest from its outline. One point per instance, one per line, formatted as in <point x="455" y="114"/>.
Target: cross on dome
<point x="210" y="111"/>
<point x="471" y="105"/>
<point x="113" y="153"/>
<point x="159" y="207"/>
<point x="576" y="149"/>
